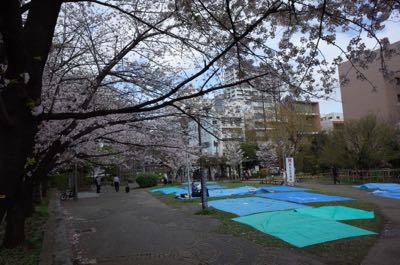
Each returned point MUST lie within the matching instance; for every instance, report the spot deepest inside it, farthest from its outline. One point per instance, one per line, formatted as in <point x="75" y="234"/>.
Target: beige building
<point x="331" y="121"/>
<point x="360" y="98"/>
<point x="308" y="113"/>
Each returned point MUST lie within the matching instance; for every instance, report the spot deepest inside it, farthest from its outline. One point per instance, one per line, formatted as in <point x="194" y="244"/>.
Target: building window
<point x="398" y="98"/>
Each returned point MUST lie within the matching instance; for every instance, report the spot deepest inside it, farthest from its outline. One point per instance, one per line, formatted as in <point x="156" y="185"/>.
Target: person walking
<point x="335" y="174"/>
<point x="97" y="182"/>
<point x="116" y="183"/>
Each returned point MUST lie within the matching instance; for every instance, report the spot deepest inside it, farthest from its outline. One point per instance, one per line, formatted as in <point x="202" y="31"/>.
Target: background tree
<point x="267" y="154"/>
<point x="234" y="156"/>
<point x="249" y="154"/>
<point x="134" y="48"/>
<point x="362" y="144"/>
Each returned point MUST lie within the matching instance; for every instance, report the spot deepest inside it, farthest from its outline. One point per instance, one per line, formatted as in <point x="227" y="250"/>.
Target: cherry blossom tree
<point x="124" y="62"/>
<point x="234" y="155"/>
<point x="267" y="154"/>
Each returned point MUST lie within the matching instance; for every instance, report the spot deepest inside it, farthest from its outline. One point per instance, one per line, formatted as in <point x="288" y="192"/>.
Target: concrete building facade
<point x="378" y="95"/>
<point x="331" y="121"/>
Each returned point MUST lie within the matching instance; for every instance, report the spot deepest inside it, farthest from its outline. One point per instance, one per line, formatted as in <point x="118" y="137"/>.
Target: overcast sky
<point x="334" y="104"/>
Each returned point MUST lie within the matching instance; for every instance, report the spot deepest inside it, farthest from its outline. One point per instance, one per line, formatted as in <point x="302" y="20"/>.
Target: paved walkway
<point x="136" y="229"/>
<point x="387" y="249"/>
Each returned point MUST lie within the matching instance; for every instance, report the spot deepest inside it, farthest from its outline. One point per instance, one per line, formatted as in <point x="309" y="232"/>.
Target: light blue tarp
<point x="388" y="190"/>
<point x="170" y="190"/>
<point x="337" y="213"/>
<point x="281" y="188"/>
<point x="299" y="229"/>
<point x="380" y="186"/>
<point x="198" y="182"/>
<point x="232" y="192"/>
<point x="215" y="187"/>
<point x="387" y="194"/>
<point x="251" y="205"/>
<point x="303" y="197"/>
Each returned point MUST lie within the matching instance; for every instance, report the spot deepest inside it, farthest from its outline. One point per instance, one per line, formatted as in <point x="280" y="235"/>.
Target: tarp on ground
<point x="233" y="191"/>
<point x="251" y="205"/>
<point x="299" y="229"/>
<point x="210" y="187"/>
<point x="215" y="187"/>
<point x="337" y="213"/>
<point x="198" y="182"/>
<point x="303" y="197"/>
<point x="281" y="188"/>
<point x="380" y="186"/>
<point x="388" y="194"/>
<point x="170" y="190"/>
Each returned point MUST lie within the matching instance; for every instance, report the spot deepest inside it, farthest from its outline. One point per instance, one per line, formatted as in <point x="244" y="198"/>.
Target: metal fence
<point x="355" y="176"/>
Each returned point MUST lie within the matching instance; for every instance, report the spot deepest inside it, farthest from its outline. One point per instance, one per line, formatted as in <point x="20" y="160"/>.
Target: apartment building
<point x="331" y="121"/>
<point x="305" y="113"/>
<point x="377" y="94"/>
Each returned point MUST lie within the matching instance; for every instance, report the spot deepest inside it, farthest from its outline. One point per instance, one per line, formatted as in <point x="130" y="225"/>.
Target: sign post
<point x="290" y="171"/>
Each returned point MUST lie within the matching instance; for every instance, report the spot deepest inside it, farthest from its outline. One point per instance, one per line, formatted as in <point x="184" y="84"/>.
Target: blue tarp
<point x="387" y="194"/>
<point x="215" y="187"/>
<point x="251" y="205"/>
<point x="198" y="182"/>
<point x="380" y="186"/>
<point x="210" y="187"/>
<point x="170" y="190"/>
<point x="388" y="190"/>
<point x="303" y="197"/>
<point x="232" y="192"/>
<point x="281" y="188"/>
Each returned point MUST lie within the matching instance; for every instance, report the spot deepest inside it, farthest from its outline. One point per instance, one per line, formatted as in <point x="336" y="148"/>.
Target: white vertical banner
<point x="290" y="176"/>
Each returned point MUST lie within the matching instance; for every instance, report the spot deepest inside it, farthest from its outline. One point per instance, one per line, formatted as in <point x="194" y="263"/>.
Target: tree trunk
<point x="16" y="140"/>
<point x="27" y="49"/>
<point x="15" y="228"/>
<point x="3" y="209"/>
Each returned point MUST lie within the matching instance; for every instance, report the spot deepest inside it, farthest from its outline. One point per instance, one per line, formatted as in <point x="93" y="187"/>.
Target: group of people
<point x="116" y="184"/>
<point x="197" y="191"/>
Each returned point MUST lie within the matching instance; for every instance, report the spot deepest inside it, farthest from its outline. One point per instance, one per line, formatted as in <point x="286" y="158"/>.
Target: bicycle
<point x="66" y="194"/>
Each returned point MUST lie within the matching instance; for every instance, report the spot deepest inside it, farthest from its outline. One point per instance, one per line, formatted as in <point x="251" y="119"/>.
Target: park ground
<point x="142" y="228"/>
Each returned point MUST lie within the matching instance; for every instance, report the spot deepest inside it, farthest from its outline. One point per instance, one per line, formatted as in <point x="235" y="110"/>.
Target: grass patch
<point x="344" y="251"/>
<point x="169" y="199"/>
<point x="207" y="211"/>
<point x="29" y="252"/>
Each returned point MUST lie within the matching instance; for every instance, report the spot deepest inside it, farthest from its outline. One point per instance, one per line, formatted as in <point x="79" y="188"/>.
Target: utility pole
<point x="204" y="203"/>
<point x="75" y="181"/>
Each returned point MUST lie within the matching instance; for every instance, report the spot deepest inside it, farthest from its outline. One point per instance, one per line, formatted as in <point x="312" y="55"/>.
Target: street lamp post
<point x="204" y="203"/>
<point x="75" y="181"/>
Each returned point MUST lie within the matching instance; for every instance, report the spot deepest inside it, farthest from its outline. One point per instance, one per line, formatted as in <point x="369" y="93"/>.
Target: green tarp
<point x="337" y="213"/>
<point x="299" y="229"/>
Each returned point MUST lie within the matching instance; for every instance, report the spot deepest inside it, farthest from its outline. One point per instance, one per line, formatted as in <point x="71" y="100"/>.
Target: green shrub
<point x="147" y="180"/>
<point x="263" y="173"/>
<point x="58" y="181"/>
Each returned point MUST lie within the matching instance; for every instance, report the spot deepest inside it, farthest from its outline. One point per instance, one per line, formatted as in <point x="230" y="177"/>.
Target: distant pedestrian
<point x="335" y="174"/>
<point x="116" y="183"/>
<point x="164" y="179"/>
<point x="127" y="188"/>
<point x="97" y="182"/>
<point x="196" y="190"/>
